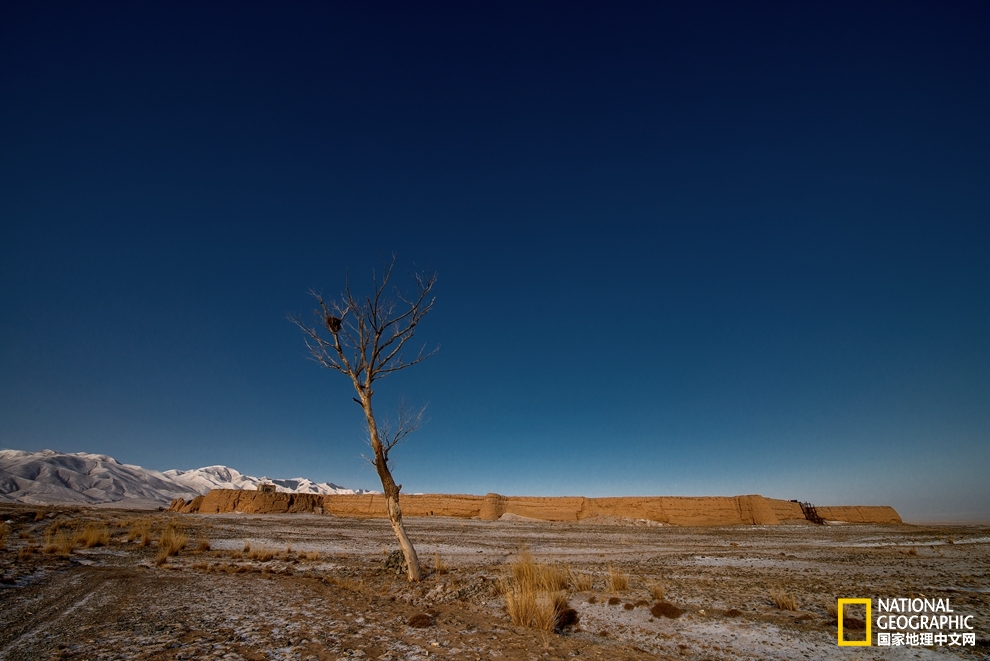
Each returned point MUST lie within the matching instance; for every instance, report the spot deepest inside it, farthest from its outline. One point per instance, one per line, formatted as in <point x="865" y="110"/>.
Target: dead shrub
<point x="657" y="590"/>
<point x="94" y="534"/>
<point x="733" y="612"/>
<point x="628" y="606"/>
<point x="783" y="600"/>
<point x="666" y="609"/>
<point x="582" y="581"/>
<point x="420" y="621"/>
<point x="3" y="535"/>
<point x="614" y="601"/>
<point x="617" y="581"/>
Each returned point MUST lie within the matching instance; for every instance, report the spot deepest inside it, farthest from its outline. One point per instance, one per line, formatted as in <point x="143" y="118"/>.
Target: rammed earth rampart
<point x="672" y="510"/>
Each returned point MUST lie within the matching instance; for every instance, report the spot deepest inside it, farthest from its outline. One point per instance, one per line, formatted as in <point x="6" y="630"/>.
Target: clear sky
<point x="683" y="249"/>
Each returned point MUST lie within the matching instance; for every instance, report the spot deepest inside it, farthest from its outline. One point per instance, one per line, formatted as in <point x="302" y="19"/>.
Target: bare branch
<point x="407" y="421"/>
<point x="364" y="337"/>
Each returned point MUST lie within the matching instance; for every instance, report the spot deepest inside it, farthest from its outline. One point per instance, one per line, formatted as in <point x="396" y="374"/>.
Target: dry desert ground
<point x="101" y="584"/>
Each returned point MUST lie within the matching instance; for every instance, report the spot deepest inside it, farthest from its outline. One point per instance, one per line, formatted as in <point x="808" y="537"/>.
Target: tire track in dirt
<point x="22" y="623"/>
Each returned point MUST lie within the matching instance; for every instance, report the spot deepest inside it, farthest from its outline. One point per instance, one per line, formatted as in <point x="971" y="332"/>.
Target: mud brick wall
<point x="680" y="511"/>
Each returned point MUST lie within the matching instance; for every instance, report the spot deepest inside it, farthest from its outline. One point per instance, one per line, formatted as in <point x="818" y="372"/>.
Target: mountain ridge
<point x="50" y="477"/>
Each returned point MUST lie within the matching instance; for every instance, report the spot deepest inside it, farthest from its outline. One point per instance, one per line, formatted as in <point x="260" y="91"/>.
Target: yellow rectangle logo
<point x="869" y="623"/>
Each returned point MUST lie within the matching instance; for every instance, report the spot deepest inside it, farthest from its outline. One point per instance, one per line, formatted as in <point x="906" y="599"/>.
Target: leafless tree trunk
<point x="364" y="339"/>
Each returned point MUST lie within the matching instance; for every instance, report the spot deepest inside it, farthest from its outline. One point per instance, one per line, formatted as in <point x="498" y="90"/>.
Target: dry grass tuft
<point x="582" y="581"/>
<point x="312" y="555"/>
<point x="3" y="535"/>
<point x="543" y="611"/>
<point x="247" y="547"/>
<point x="25" y="554"/>
<point x="538" y="577"/>
<point x="439" y="566"/>
<point x="39" y="515"/>
<point x="94" y="534"/>
<point x="785" y="601"/>
<point x="203" y="546"/>
<point x="139" y="529"/>
<point x="346" y="583"/>
<point x="261" y="555"/>
<point x="58" y="539"/>
<point x="617" y="581"/>
<point x="832" y="608"/>
<point x="171" y="541"/>
<point x="535" y="597"/>
<point x="657" y="590"/>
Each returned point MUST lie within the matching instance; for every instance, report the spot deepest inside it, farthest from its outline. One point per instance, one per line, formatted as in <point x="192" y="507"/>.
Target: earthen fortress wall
<point x="680" y="511"/>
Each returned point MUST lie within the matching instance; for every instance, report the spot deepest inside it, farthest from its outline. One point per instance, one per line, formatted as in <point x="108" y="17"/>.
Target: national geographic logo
<point x="908" y="622"/>
<point x="868" y="619"/>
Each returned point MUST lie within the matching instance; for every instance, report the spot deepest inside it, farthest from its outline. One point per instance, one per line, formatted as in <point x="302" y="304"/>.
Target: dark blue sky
<point x="683" y="249"/>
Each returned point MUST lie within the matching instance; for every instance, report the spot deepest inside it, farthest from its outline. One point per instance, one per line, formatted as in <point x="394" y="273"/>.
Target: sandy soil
<point x="333" y="597"/>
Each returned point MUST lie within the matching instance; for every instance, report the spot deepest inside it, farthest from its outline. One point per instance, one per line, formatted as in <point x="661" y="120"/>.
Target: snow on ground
<point x="325" y="591"/>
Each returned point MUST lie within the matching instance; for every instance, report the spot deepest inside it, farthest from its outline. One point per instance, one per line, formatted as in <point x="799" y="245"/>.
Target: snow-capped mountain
<point x="49" y="477"/>
<point x="202" y="480"/>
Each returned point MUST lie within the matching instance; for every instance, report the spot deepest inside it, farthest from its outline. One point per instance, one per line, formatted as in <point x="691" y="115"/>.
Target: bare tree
<point x="364" y="338"/>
